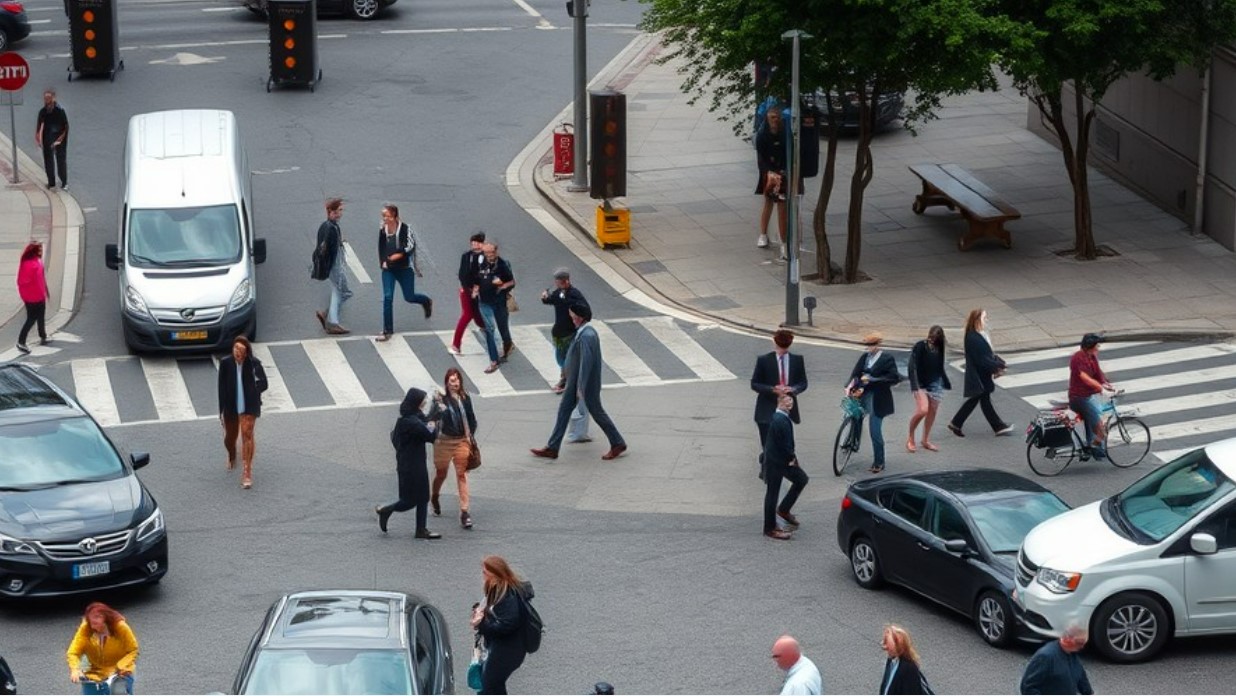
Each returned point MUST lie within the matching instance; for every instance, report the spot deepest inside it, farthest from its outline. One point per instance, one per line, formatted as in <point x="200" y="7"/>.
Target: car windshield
<point x="330" y="671"/>
<point x="1004" y="523"/>
<point x="208" y="236"/>
<point x="50" y="452"/>
<point x="1167" y="498"/>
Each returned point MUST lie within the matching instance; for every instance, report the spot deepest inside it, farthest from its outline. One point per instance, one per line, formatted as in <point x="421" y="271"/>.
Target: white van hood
<point x="1075" y="541"/>
<point x="187" y="288"/>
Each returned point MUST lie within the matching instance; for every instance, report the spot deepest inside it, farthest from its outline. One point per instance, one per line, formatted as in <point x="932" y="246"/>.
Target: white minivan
<point x="1155" y="561"/>
<point x="187" y="247"/>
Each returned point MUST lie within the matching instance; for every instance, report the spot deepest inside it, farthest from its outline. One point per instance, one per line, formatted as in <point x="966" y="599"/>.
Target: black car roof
<point x="22" y="388"/>
<point x="964" y="484"/>
<point x="341" y="619"/>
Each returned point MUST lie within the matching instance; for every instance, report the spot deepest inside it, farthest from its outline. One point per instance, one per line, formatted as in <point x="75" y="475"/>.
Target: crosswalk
<point x="329" y="373"/>
<point x="1185" y="392"/>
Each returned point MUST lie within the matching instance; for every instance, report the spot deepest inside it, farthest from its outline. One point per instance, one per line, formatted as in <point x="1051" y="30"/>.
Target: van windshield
<point x="207" y="236"/>
<point x="1167" y="498"/>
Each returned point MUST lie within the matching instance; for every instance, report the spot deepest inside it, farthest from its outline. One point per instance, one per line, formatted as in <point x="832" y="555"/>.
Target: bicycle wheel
<point x="845" y="445"/>
<point x="1050" y="461"/>
<point x="1128" y="441"/>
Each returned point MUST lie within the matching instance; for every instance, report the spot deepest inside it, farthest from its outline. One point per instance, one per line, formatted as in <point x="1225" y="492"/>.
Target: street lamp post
<point x="791" y="232"/>
<point x="578" y="9"/>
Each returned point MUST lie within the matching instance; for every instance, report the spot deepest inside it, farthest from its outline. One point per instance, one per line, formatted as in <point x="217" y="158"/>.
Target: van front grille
<point x="188" y="317"/>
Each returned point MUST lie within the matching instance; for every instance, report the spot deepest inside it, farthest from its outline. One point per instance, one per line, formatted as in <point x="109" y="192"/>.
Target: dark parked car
<point x="889" y="106"/>
<point x="349" y="642"/>
<point x="951" y="536"/>
<point x="357" y="9"/>
<point x="74" y="517"/>
<point x="14" y="26"/>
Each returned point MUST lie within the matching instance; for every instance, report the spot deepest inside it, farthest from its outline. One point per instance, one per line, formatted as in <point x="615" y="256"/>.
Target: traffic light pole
<point x="579" y="179"/>
<point x="792" y="145"/>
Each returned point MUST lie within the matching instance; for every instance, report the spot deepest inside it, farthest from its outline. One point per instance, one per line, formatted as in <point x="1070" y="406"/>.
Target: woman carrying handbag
<point x="982" y="366"/>
<point x="456" y="442"/>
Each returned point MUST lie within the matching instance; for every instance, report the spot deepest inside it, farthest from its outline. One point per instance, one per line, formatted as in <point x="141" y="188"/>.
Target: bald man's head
<point x="786" y="652"/>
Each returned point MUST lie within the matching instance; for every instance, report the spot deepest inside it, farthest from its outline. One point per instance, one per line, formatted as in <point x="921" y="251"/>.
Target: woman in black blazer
<point x="875" y="373"/>
<point x="901" y="670"/>
<point x="982" y="365"/>
<point x="502" y="622"/>
<point x="241" y="383"/>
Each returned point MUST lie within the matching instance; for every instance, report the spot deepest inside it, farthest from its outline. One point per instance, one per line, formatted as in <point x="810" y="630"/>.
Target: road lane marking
<point x="354" y="263"/>
<point x="621" y="359"/>
<point x="405" y="367"/>
<point x="276" y="397"/>
<point x="335" y="372"/>
<point x="1062" y="353"/>
<point x="692" y="354"/>
<point x="474" y="365"/>
<point x="539" y="351"/>
<point x="167" y="389"/>
<point x="541" y="21"/>
<point x="1134" y="387"/>
<point x="93" y="388"/>
<point x="1178" y="355"/>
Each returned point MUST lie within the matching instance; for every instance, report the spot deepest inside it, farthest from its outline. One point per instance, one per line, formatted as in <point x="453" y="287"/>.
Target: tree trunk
<point x="1084" y="247"/>
<point x="858" y="182"/>
<point x="819" y="224"/>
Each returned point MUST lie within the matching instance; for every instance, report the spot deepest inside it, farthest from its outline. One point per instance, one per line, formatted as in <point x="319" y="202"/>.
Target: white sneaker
<point x="762" y="242"/>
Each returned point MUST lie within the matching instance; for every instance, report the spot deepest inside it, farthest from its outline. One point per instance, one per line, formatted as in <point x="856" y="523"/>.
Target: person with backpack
<point x="328" y="264"/>
<point x="508" y="623"/>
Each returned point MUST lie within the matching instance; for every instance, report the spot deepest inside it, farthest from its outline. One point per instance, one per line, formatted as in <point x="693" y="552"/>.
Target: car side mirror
<point x="957" y="546"/>
<point x="112" y="254"/>
<point x="259" y="251"/>
<point x="1203" y="543"/>
<point x="139" y="459"/>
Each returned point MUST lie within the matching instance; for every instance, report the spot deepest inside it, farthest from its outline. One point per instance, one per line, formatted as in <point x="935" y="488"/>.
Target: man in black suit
<point x="780" y="462"/>
<point x="776" y="374"/>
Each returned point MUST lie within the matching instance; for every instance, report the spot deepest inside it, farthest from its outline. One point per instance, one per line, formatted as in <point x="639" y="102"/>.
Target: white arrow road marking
<point x="188" y="59"/>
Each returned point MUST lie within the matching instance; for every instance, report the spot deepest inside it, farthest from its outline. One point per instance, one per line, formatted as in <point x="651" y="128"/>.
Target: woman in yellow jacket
<point x="107" y="642"/>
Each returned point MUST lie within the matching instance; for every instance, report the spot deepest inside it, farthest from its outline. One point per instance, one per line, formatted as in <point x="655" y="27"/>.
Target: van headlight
<point x="242" y="296"/>
<point x="153" y="526"/>
<point x="14" y="547"/>
<point x="134" y="303"/>
<point x="1058" y="581"/>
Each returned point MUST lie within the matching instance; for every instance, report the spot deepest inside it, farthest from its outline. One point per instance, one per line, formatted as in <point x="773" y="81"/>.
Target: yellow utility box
<point x="613" y="226"/>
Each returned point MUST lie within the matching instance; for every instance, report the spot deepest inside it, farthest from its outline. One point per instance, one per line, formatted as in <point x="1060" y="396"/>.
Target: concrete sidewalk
<point x="29" y="210"/>
<point x="694" y="225"/>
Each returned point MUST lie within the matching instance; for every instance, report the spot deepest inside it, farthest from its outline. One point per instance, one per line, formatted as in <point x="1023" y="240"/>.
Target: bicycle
<point x="1054" y="437"/>
<point x="850" y="434"/>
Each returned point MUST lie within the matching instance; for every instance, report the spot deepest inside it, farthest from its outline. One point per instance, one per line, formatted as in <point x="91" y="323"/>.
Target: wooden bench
<point x="952" y="186"/>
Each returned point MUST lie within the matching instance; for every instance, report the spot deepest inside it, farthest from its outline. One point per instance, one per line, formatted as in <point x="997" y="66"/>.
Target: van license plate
<point x="188" y="335"/>
<point x="89" y="570"/>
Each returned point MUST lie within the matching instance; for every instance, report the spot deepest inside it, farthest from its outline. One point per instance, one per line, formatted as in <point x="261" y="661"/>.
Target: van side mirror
<point x="1203" y="543"/>
<point x="139" y="459"/>
<point x="259" y="251"/>
<point x="957" y="546"/>
<point x="112" y="254"/>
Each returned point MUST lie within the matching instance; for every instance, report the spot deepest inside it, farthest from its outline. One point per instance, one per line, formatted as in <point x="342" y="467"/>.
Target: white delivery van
<point x="187" y="249"/>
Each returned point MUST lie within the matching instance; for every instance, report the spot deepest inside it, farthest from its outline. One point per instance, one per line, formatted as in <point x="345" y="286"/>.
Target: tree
<point x="1089" y="45"/>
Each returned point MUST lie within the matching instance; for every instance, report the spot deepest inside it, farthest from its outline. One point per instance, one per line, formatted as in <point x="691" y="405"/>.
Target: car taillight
<point x="845" y="503"/>
<point x="14" y="7"/>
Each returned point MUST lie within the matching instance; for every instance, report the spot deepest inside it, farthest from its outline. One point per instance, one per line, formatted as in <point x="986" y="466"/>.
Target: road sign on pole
<point x="14" y="73"/>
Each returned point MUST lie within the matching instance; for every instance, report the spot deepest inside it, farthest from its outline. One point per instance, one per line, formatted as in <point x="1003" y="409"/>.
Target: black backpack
<point x="318" y="270"/>
<point x="534" y="628"/>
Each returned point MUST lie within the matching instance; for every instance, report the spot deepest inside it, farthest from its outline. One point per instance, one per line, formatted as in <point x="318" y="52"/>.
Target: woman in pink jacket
<point x="32" y="286"/>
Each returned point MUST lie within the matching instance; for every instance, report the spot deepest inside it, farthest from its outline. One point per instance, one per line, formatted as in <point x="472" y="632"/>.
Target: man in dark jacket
<point x="411" y="434"/>
<point x="777" y="373"/>
<point x="397" y="255"/>
<point x="781" y="462"/>
<point x="330" y="245"/>
<point x="1056" y="668"/>
<point x="495" y="280"/>
<point x="52" y="136"/>
<point x="241" y="383"/>
<point x="562" y="296"/>
<point x="875" y="373"/>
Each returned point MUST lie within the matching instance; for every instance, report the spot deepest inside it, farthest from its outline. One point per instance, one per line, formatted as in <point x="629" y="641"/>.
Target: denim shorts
<point x="935" y="390"/>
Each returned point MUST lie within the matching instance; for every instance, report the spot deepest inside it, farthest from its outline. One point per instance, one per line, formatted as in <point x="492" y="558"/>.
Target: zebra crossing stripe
<point x="276" y="398"/>
<point x="1147" y="384"/>
<point x="1061" y="374"/>
<point x="701" y="362"/>
<point x="1190" y="428"/>
<point x="621" y="359"/>
<point x="354" y="264"/>
<point x="404" y="366"/>
<point x="1170" y="405"/>
<point x="474" y="365"/>
<point x="538" y="350"/>
<point x="167" y="389"/>
<point x="1060" y="353"/>
<point x="1169" y="455"/>
<point x="93" y="388"/>
<point x="335" y="372"/>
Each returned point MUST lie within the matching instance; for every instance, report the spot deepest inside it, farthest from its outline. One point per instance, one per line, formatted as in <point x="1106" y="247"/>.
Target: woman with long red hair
<point x="32" y="287"/>
<point x="108" y="644"/>
<point x="501" y="621"/>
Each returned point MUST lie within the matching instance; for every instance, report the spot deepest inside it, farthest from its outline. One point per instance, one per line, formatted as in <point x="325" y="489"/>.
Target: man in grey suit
<point x="583" y="381"/>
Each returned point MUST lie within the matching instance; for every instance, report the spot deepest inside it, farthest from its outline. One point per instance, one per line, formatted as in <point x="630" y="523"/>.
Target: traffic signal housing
<point x="608" y="144"/>
<point x="94" y="45"/>
<point x="293" y="42"/>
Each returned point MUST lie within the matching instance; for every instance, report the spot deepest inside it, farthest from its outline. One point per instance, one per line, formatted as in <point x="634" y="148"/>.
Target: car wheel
<point x="4" y="41"/>
<point x="363" y="9"/>
<point x="865" y="564"/>
<point x="993" y="617"/>
<point x="1130" y="627"/>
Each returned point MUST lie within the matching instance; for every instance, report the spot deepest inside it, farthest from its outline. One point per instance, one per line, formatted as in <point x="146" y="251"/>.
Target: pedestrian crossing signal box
<point x="94" y="39"/>
<point x="293" y="43"/>
<point x="613" y="226"/>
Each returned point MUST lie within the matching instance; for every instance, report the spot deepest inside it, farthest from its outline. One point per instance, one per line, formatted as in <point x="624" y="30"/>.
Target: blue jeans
<point x="407" y="281"/>
<point x="339" y="290"/>
<point x="489" y="316"/>
<point x="1091" y="411"/>
<point x="122" y="685"/>
<point x="875" y="425"/>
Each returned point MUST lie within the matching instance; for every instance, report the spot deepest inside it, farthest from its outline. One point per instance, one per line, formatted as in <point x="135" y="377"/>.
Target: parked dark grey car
<point x="349" y="642"/>
<point x="356" y="9"/>
<point x="14" y="25"/>
<point x="74" y="517"/>
<point x="889" y="106"/>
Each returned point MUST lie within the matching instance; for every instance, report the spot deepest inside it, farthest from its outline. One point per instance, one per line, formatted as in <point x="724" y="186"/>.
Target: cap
<point x="562" y="274"/>
<point x="1091" y="340"/>
<point x="872" y="339"/>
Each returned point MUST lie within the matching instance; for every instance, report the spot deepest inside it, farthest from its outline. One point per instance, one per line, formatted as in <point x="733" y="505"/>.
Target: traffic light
<point x="293" y="41"/>
<point x="93" y="38"/>
<point x="608" y="141"/>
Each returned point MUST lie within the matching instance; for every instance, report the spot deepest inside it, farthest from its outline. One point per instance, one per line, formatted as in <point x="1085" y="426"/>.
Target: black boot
<point x="384" y="514"/>
<point x="426" y="534"/>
